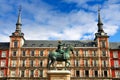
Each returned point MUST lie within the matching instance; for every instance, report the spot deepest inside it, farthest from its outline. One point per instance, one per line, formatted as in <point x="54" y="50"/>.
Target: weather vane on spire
<point x="20" y="7"/>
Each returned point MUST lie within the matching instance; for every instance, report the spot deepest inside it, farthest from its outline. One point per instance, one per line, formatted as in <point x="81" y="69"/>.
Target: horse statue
<point x="56" y="56"/>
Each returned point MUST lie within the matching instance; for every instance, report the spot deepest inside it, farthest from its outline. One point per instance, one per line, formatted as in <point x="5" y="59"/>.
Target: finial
<point x="19" y="24"/>
<point x="99" y="18"/>
<point x="20" y="8"/>
<point x="100" y="24"/>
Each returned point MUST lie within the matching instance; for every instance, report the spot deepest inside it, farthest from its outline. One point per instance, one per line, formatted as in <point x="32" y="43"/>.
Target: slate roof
<point x="114" y="45"/>
<point x="54" y="43"/>
<point x="4" y="45"/>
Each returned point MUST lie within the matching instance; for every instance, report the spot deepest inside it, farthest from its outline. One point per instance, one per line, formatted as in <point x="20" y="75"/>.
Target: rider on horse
<point x="60" y="49"/>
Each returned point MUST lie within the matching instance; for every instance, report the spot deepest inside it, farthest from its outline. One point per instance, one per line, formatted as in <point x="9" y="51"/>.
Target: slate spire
<point x="19" y="24"/>
<point x="100" y="24"/>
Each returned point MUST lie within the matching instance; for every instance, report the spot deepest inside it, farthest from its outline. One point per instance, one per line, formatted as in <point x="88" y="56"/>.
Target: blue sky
<point x="60" y="19"/>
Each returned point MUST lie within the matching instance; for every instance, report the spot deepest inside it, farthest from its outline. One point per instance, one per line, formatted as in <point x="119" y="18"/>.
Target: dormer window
<point x="15" y="43"/>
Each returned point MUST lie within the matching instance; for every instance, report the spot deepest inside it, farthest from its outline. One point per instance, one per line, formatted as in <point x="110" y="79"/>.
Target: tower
<point x="16" y="42"/>
<point x="102" y="40"/>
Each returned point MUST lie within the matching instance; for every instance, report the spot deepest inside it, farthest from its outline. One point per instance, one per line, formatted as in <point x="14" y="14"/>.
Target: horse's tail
<point x="48" y="65"/>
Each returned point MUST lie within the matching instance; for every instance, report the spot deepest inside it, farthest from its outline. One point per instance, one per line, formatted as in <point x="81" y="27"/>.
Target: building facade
<point x="4" y="53"/>
<point x="92" y="59"/>
<point x="115" y="59"/>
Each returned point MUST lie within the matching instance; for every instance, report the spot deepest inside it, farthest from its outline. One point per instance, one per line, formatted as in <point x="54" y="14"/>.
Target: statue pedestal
<point x="58" y="75"/>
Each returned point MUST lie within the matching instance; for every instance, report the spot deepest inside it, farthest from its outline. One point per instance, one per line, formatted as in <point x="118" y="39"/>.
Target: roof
<point x="4" y="45"/>
<point x="114" y="45"/>
<point x="54" y="43"/>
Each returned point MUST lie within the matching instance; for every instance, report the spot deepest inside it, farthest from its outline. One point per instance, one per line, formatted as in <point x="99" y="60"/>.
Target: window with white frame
<point x="96" y="73"/>
<point x="32" y="73"/>
<point x="14" y="53"/>
<point x="104" y="63"/>
<point x="95" y="63"/>
<point x="85" y="53"/>
<point x="41" y="73"/>
<point x="13" y="73"/>
<point x="32" y="52"/>
<point x="117" y="74"/>
<point x="41" y="63"/>
<point x="77" y="73"/>
<point x="77" y="53"/>
<point x="41" y="53"/>
<point x="3" y="54"/>
<point x="22" y="73"/>
<point x="13" y="63"/>
<point x="15" y="43"/>
<point x="116" y="63"/>
<point x="105" y="73"/>
<point x="103" y="45"/>
<point x="103" y="53"/>
<point x="23" y="63"/>
<point x="3" y="63"/>
<point x="31" y="63"/>
<point x="115" y="54"/>
<point x="77" y="63"/>
<point x="85" y="62"/>
<point x="94" y="53"/>
<point x="23" y="53"/>
<point x="86" y="73"/>
<point x="1" y="73"/>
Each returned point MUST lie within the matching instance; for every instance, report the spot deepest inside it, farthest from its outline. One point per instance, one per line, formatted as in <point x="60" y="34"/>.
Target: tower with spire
<point x="17" y="37"/>
<point x="100" y="32"/>
<point x="18" y="25"/>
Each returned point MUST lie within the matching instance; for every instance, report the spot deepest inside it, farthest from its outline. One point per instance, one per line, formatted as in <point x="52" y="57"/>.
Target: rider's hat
<point x="59" y="41"/>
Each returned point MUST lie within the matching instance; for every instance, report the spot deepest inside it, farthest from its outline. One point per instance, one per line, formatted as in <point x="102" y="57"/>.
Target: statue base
<point x="58" y="75"/>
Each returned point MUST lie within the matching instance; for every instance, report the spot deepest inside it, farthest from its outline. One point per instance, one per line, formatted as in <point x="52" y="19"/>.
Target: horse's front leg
<point x="67" y="62"/>
<point x="54" y="64"/>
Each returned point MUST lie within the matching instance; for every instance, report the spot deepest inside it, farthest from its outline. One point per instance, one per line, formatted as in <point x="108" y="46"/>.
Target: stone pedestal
<point x="58" y="75"/>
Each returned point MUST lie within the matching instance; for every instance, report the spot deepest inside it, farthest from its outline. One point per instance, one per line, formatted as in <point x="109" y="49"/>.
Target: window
<point x="22" y="73"/>
<point x="13" y="73"/>
<point x="3" y="54"/>
<point x="117" y="74"/>
<point x="41" y="73"/>
<point x="85" y="53"/>
<point x="13" y="63"/>
<point x="14" y="53"/>
<point x="32" y="73"/>
<point x="115" y="54"/>
<point x="95" y="63"/>
<point x="103" y="44"/>
<point x="77" y="53"/>
<point x="1" y="73"/>
<point x="15" y="43"/>
<point x="31" y="63"/>
<point x="23" y="63"/>
<point x="41" y="63"/>
<point x="103" y="53"/>
<point x="23" y="53"/>
<point x="116" y="64"/>
<point x="86" y="73"/>
<point x="3" y="63"/>
<point x="41" y="53"/>
<point x="105" y="73"/>
<point x="96" y="73"/>
<point x="104" y="64"/>
<point x="94" y="53"/>
<point x="77" y="63"/>
<point x="85" y="62"/>
<point x="77" y="73"/>
<point x="32" y="53"/>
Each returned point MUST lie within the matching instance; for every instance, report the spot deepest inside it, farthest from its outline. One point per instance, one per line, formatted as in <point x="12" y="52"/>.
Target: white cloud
<point x="41" y="22"/>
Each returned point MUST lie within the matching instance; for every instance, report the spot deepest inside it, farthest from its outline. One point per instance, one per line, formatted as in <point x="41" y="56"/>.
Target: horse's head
<point x="70" y="48"/>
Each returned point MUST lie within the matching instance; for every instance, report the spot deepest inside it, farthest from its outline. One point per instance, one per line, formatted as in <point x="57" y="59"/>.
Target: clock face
<point x="102" y="33"/>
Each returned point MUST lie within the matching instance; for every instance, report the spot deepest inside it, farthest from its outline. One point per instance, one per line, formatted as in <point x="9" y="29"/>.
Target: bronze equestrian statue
<point x="60" y="55"/>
